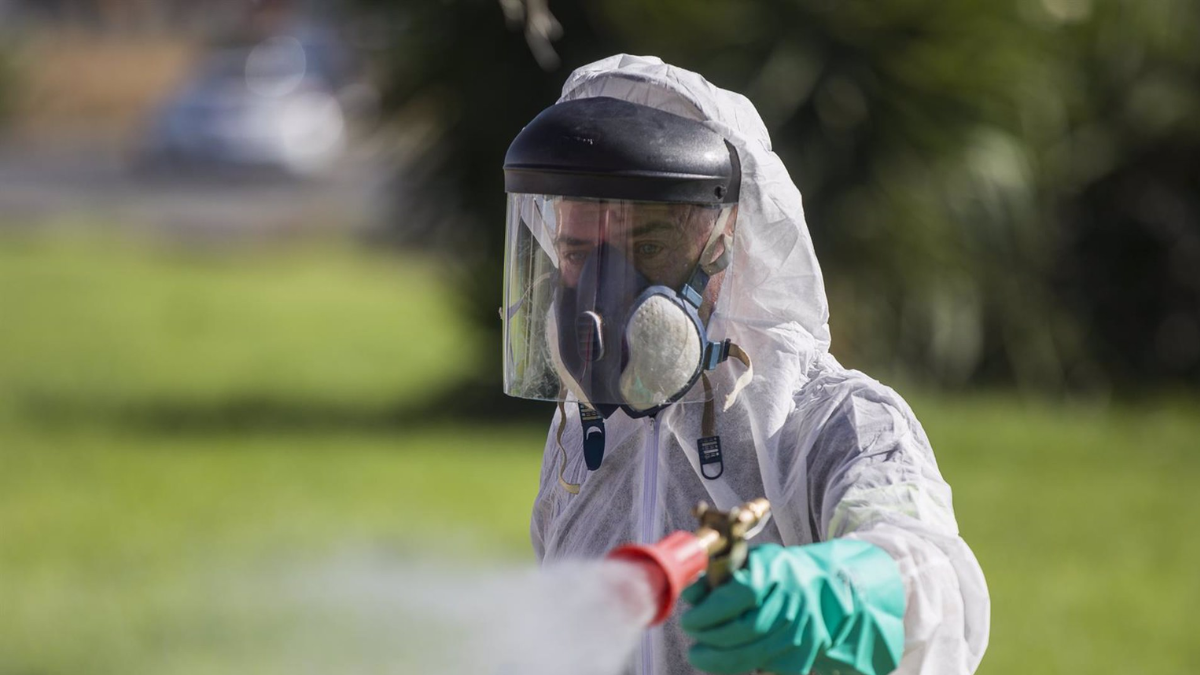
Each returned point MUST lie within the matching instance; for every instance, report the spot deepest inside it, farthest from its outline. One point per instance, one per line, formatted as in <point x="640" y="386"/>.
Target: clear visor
<point x="592" y="310"/>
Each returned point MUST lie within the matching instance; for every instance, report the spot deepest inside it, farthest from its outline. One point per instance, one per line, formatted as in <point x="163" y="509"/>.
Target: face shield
<point x="618" y="213"/>
<point x="602" y="299"/>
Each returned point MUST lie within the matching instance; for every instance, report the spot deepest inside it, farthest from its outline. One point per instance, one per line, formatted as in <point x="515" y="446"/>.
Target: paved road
<point x="96" y="185"/>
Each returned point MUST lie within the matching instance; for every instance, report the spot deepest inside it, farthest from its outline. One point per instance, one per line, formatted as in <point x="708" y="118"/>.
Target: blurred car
<point x="264" y="108"/>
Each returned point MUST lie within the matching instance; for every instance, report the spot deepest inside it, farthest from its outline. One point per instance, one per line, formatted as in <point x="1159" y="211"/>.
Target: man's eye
<point x="647" y="249"/>
<point x="575" y="257"/>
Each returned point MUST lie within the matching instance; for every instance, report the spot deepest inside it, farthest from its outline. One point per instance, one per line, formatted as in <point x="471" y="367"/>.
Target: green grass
<point x="87" y="322"/>
<point x="1084" y="522"/>
<point x="177" y="428"/>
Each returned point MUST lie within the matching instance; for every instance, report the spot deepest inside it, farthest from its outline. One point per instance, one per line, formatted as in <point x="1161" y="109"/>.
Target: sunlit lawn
<point x="175" y="425"/>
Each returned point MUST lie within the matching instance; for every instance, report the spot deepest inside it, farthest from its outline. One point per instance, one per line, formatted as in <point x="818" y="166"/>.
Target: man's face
<point x="662" y="241"/>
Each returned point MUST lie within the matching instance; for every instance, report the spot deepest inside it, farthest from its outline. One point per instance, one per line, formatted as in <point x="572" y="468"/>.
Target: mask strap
<point x="592" y="423"/>
<point x="573" y="488"/>
<point x="743" y="379"/>
<point x="516" y="306"/>
<point x="693" y="290"/>
<point x="712" y="463"/>
<point x="716" y="236"/>
<point x="708" y="423"/>
<point x="708" y="446"/>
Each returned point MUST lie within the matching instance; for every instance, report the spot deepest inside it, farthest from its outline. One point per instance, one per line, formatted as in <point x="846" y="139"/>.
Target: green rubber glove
<point x="833" y="606"/>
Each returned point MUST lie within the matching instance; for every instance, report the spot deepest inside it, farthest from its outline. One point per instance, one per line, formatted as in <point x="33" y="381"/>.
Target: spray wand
<point x="718" y="546"/>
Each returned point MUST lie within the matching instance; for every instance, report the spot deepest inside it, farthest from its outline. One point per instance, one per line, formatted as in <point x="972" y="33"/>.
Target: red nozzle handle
<point x="671" y="565"/>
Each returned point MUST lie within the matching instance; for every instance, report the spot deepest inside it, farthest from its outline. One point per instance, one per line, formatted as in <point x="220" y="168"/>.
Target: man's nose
<point x="589" y="331"/>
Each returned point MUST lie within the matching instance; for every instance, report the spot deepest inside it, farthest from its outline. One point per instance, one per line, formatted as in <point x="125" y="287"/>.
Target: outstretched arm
<point x="889" y="577"/>
<point x="873" y="478"/>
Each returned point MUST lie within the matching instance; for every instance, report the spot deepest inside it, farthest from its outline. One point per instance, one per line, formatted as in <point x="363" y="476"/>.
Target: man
<point x="661" y="285"/>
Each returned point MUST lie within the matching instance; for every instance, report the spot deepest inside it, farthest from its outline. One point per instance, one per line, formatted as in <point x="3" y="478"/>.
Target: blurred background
<point x="249" y="270"/>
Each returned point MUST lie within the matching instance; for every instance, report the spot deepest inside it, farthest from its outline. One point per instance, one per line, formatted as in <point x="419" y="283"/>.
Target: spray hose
<point x="718" y="547"/>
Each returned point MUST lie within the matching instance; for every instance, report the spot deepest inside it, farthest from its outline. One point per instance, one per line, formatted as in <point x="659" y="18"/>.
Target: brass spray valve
<point x="724" y="533"/>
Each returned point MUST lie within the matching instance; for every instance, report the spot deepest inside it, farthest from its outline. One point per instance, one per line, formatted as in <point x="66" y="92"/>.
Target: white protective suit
<point x="837" y="453"/>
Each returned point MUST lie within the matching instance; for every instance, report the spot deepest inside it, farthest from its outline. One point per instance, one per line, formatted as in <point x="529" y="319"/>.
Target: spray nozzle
<point x="724" y="535"/>
<point x="678" y="559"/>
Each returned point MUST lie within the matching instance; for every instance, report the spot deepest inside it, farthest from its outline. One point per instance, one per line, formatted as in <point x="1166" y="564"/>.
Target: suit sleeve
<point x="872" y="477"/>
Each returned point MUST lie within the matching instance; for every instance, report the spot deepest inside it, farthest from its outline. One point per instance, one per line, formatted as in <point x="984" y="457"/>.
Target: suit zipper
<point x="649" y="517"/>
